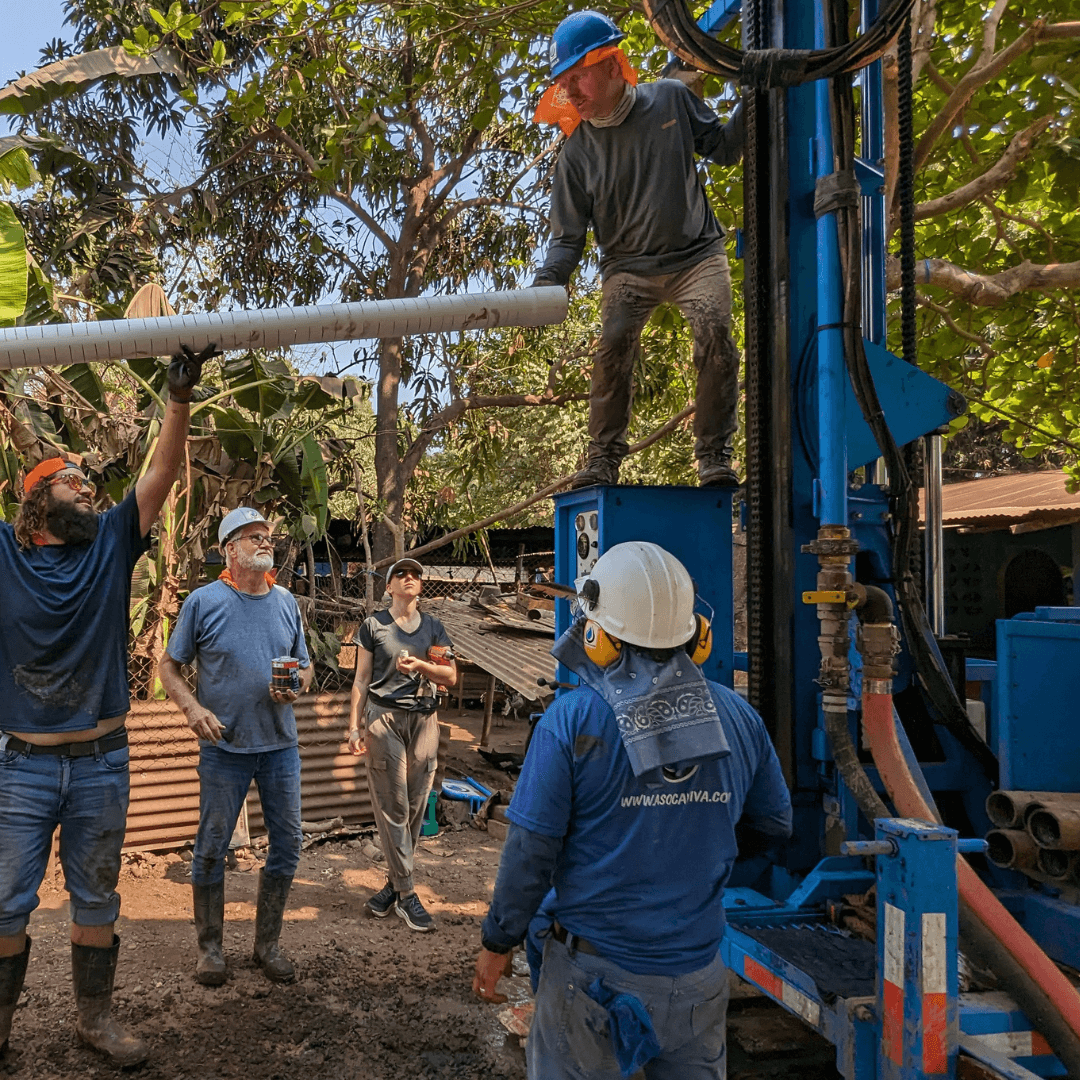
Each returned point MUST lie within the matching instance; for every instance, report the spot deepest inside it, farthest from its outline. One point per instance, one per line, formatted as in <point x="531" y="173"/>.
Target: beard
<point x="261" y="560"/>
<point x="72" y="523"/>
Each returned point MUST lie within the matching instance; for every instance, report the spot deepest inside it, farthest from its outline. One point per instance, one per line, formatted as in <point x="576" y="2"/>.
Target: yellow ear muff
<point x="699" y="647"/>
<point x="600" y="647"/>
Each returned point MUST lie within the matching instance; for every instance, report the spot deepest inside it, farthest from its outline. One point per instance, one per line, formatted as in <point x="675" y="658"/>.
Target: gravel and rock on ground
<point x="373" y="1000"/>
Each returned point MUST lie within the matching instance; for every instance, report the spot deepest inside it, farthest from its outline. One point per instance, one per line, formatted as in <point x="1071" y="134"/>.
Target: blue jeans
<point x="224" y="779"/>
<point x="88" y="798"/>
<point x="570" y="1038"/>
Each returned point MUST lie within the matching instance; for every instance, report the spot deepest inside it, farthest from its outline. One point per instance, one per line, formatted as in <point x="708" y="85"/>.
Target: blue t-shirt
<point x="231" y="637"/>
<point x="642" y="867"/>
<point x="64" y="625"/>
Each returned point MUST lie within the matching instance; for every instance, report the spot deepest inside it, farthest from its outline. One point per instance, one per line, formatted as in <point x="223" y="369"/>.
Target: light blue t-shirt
<point x="231" y="637"/>
<point x="642" y="867"/>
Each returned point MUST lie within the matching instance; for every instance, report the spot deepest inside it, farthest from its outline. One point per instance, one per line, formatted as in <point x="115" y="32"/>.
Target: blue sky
<point x="33" y="26"/>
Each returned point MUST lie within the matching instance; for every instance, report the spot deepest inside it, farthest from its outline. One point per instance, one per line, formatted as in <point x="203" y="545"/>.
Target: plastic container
<point x="430" y="827"/>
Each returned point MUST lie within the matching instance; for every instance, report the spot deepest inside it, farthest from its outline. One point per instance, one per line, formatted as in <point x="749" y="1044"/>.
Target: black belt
<point x="572" y="941"/>
<point x="113" y="741"/>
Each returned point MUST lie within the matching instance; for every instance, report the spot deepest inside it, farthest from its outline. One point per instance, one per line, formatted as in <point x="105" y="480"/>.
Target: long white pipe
<point x="273" y="328"/>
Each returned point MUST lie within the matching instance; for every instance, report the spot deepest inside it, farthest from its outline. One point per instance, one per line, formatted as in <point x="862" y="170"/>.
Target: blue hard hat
<point x="577" y="35"/>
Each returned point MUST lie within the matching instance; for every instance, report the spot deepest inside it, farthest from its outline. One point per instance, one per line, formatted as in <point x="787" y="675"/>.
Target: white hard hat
<point x="237" y="519"/>
<point x="641" y="594"/>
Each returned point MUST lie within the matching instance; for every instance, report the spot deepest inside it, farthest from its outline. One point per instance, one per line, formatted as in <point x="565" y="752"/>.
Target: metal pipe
<point x="1012" y="849"/>
<point x="934" y="535"/>
<point x="1008" y="809"/>
<point x="1055" y="827"/>
<point x="831" y="371"/>
<point x="273" y="328"/>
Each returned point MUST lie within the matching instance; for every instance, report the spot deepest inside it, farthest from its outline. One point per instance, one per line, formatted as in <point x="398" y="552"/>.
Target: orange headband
<point x="555" y="106"/>
<point x="43" y="469"/>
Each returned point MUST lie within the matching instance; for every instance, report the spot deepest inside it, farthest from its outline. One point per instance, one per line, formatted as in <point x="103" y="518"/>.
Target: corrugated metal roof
<point x="517" y="658"/>
<point x="1008" y="500"/>
<point x="164" y="810"/>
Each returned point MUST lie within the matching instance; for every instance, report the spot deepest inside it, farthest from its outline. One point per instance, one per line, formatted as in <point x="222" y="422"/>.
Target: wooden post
<point x="489" y="708"/>
<point x="519" y="570"/>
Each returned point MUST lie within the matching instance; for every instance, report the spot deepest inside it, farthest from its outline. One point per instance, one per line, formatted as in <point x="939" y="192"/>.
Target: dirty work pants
<point x="224" y="779"/>
<point x="403" y="751"/>
<point x="88" y="798"/>
<point x="570" y="1038"/>
<point x="703" y="295"/>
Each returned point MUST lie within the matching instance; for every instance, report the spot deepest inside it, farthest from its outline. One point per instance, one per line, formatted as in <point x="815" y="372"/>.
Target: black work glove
<point x="185" y="370"/>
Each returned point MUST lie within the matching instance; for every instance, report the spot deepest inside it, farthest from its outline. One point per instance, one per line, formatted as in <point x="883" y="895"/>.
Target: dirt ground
<point x="372" y="1001"/>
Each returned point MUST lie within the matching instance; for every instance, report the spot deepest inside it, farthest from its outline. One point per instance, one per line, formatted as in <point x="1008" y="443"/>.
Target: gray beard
<point x="621" y="111"/>
<point x="261" y="560"/>
<point x="71" y="523"/>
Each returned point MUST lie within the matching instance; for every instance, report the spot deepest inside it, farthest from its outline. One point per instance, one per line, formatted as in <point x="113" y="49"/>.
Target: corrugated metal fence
<point x="164" y="809"/>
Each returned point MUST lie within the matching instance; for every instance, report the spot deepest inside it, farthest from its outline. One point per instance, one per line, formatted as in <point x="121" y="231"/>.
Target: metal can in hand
<point x="285" y="673"/>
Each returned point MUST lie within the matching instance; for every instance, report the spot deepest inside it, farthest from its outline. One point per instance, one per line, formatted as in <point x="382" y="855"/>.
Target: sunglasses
<point x="75" y="482"/>
<point x="406" y="572"/>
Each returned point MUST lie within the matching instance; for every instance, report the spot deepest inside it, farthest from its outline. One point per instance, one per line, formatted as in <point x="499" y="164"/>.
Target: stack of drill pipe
<point x="1037" y="833"/>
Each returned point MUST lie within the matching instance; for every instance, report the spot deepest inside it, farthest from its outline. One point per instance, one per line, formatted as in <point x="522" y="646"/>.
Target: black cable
<point x="905" y="183"/>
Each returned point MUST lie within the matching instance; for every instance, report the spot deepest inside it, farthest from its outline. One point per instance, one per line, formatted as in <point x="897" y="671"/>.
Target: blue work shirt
<point x="232" y="637"/>
<point x="638" y="868"/>
<point x="64" y="625"/>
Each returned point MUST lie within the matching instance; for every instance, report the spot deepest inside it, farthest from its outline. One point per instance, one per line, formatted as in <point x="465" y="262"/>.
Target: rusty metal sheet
<point x="1008" y="500"/>
<point x="516" y="659"/>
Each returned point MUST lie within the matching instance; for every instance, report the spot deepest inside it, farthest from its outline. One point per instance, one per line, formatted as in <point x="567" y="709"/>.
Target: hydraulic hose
<point x="1048" y="999"/>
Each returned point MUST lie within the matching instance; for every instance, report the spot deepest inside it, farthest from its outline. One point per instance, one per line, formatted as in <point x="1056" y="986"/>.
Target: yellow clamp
<point x="828" y="596"/>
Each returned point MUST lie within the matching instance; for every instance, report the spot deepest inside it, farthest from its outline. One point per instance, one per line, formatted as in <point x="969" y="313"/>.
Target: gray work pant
<point x="403" y="751"/>
<point x="703" y="295"/>
<point x="570" y="1038"/>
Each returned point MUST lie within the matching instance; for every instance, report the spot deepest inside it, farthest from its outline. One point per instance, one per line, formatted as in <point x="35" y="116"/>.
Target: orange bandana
<point x="555" y="106"/>
<point x="46" y="468"/>
<point x="270" y="576"/>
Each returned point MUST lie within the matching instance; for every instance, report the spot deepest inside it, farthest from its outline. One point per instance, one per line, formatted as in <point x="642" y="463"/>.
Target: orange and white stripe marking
<point x="892" y="1024"/>
<point x="782" y="991"/>
<point x="934" y="994"/>
<point x="1013" y="1044"/>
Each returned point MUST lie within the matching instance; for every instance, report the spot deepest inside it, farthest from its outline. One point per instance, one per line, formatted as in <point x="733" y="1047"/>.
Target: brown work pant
<point x="703" y="295"/>
<point x="403" y="751"/>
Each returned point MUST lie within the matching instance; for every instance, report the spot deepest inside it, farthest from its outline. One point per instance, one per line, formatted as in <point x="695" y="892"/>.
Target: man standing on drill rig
<point x="628" y="172"/>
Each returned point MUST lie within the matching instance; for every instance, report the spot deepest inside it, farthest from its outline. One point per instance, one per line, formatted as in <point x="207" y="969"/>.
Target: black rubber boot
<point x="273" y="896"/>
<point x="209" y="903"/>
<point x="93" y="972"/>
<point x="12" y="974"/>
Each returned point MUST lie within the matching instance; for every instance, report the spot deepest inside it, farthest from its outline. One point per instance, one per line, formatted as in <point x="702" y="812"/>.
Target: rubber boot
<point x="93" y="972"/>
<point x="209" y="903"/>
<point x="12" y="974"/>
<point x="273" y="895"/>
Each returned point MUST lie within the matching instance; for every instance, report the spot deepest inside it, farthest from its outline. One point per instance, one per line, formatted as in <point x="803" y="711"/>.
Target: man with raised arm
<point x="65" y="584"/>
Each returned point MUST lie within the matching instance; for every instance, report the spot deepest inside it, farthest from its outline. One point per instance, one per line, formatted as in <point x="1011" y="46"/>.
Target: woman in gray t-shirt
<point x="402" y="653"/>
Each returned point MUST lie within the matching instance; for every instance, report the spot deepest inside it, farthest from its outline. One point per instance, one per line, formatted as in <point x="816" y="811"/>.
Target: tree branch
<point x="984" y="345"/>
<point x="997" y="176"/>
<point x="988" y="290"/>
<point x="338" y="196"/>
<point x="543" y="493"/>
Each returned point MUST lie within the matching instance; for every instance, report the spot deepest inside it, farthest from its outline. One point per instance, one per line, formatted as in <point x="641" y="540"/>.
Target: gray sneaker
<point x="603" y="471"/>
<point x="412" y="911"/>
<point x="382" y="903"/>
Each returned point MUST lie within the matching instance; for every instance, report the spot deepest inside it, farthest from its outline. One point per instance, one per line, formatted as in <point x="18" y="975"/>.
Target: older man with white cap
<point x="233" y="630"/>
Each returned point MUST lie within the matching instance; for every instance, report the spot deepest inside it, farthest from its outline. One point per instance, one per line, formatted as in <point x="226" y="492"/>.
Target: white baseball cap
<point x="237" y="519"/>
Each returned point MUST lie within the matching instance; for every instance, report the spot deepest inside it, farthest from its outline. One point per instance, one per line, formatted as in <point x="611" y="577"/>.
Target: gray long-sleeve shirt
<point x="637" y="186"/>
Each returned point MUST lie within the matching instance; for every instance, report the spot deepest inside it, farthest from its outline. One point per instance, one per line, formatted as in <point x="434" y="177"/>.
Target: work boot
<point x="598" y="470"/>
<point x="12" y="974"/>
<point x="209" y="903"/>
<point x="273" y="895"/>
<point x="93" y="972"/>
<point x="716" y="470"/>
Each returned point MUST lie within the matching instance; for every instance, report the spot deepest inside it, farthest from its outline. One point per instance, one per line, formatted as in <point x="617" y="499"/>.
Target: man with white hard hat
<point x="244" y="636"/>
<point x="623" y="833"/>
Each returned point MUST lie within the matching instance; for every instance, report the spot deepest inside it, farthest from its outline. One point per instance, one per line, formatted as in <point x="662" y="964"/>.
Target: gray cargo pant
<point x="703" y="295"/>
<point x="403" y="751"/>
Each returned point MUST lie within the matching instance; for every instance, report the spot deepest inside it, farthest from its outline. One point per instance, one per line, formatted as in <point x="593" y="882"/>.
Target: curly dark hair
<point x="32" y="515"/>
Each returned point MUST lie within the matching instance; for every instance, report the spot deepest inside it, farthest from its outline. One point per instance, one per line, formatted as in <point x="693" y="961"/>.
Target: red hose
<point x="880" y="731"/>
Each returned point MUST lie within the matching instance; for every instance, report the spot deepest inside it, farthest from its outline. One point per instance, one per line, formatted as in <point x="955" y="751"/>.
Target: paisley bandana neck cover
<point x="665" y="711"/>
